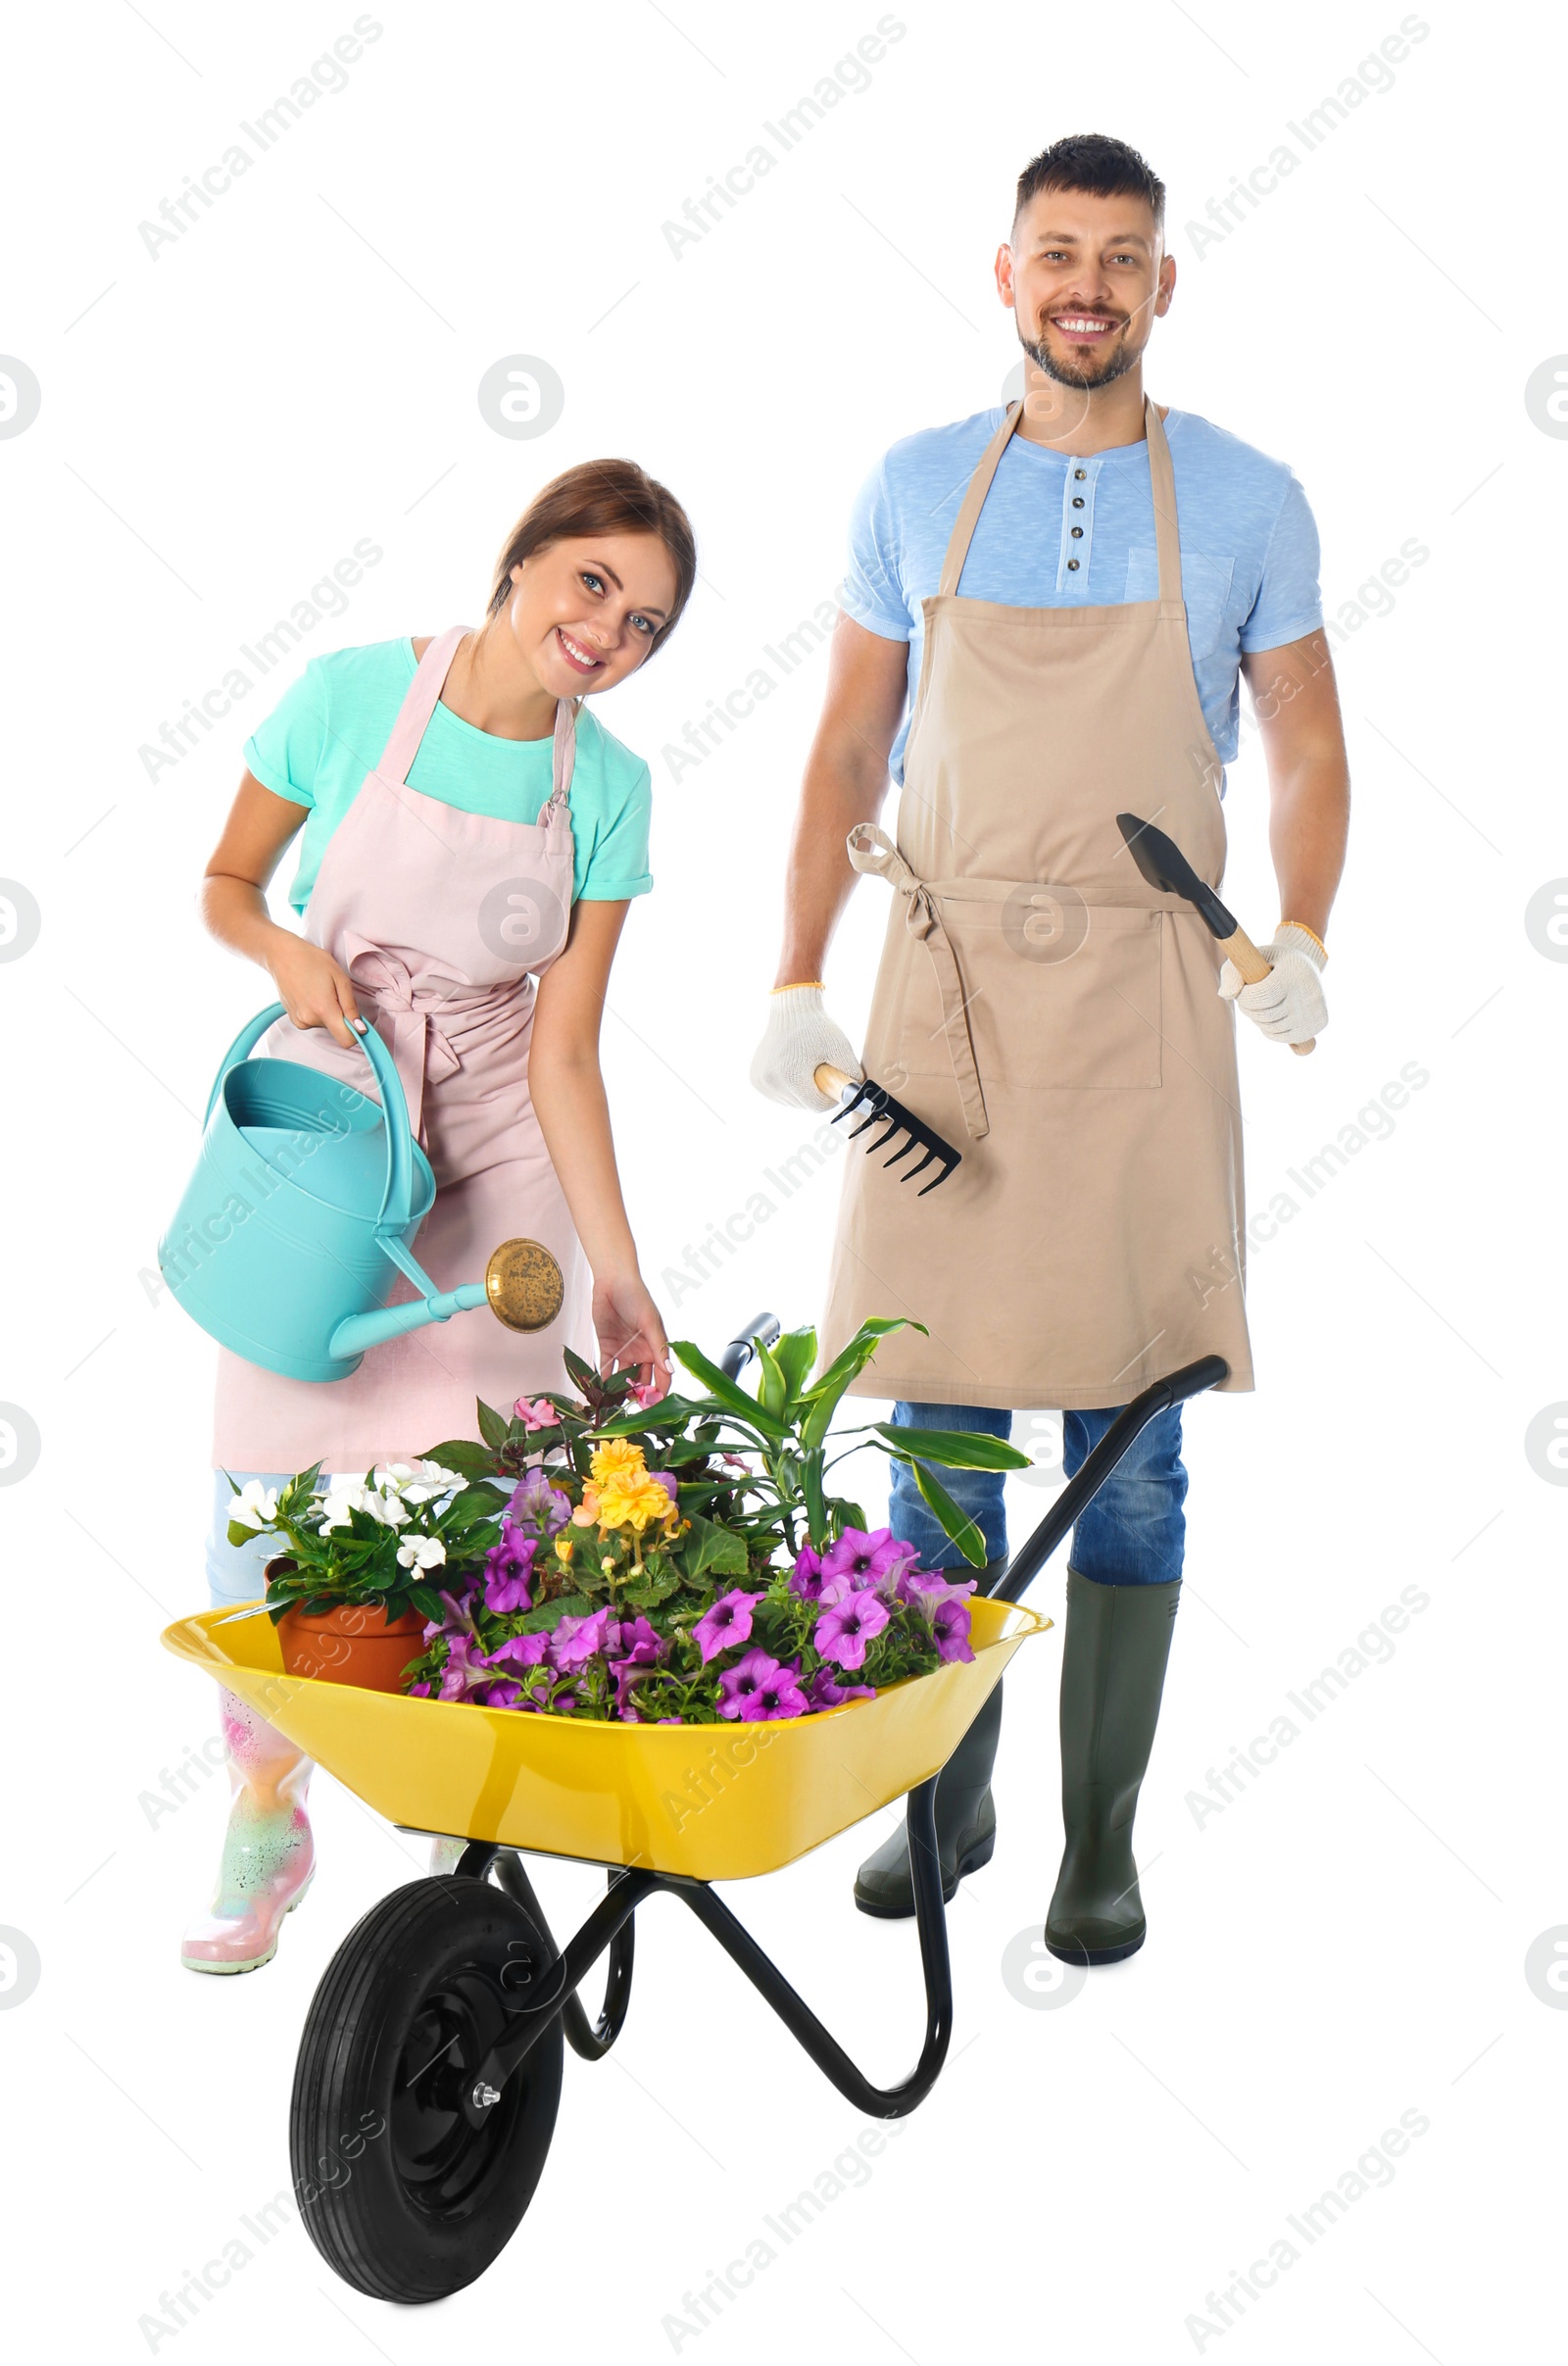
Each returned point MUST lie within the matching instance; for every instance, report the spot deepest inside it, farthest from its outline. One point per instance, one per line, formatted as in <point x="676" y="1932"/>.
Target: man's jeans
<point x="1131" y="1534"/>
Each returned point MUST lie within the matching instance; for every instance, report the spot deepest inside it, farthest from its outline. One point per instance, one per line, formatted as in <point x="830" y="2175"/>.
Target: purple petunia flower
<point x="637" y="1645"/>
<point x="420" y="1691"/>
<point x="922" y="1587"/>
<point x="758" y="1687"/>
<point x="846" y="1627"/>
<point x="826" y="1692"/>
<point x="950" y="1625"/>
<point x="668" y="1480"/>
<point x="877" y="1560"/>
<point x="519" y="1652"/>
<point x="729" y="1621"/>
<point x="496" y="1695"/>
<point x="811" y="1580"/>
<point x="537" y="1505"/>
<point x="507" y="1568"/>
<point x="466" y="1667"/>
<point x="575" y="1640"/>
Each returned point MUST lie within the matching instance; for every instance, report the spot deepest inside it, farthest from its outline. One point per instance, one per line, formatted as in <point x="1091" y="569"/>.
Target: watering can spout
<point x="356" y="1332"/>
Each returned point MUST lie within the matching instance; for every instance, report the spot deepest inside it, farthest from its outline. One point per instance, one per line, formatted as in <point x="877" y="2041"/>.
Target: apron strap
<point x="563" y="759"/>
<point x="975" y="502"/>
<point x="418" y="705"/>
<point x="1167" y="539"/>
<point x="872" y="850"/>
<point x="1162" y="485"/>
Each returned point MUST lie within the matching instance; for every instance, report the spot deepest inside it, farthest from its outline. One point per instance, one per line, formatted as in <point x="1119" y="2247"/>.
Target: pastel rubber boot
<point x="1112" y="1675"/>
<point x="966" y="1817"/>
<point x="269" y="1856"/>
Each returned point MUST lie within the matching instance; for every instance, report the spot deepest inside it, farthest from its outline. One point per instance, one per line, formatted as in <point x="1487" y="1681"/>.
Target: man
<point x="1061" y="596"/>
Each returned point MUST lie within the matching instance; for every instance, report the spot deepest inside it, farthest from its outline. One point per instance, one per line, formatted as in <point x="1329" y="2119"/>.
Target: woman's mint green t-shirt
<point x="332" y="726"/>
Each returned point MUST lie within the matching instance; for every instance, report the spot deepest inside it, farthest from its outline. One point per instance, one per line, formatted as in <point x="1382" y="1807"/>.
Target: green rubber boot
<point x="967" y="1820"/>
<point x="1112" y="1674"/>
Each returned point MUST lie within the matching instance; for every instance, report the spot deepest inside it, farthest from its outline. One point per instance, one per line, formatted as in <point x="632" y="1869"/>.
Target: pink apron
<point x="443" y="919"/>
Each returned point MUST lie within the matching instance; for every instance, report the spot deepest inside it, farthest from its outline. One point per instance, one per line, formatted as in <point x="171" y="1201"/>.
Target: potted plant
<point x="354" y="1587"/>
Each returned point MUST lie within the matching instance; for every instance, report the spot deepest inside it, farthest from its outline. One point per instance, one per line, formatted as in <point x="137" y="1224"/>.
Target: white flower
<point x="255" y="1505"/>
<point x="387" y="1508"/>
<point x="337" y="1505"/>
<point x="422" y="1553"/>
<point x="419" y="1482"/>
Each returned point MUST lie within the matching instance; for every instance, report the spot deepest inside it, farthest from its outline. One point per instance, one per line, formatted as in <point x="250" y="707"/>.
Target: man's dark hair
<point x="1099" y="167"/>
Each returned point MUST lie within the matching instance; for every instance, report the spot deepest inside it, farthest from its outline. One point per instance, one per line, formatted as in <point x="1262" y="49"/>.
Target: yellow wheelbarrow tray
<point x="429" y="2071"/>
<point x="712" y="1802"/>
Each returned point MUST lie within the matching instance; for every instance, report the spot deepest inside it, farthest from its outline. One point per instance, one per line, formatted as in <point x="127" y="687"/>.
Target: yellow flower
<point x="632" y="1502"/>
<point x="618" y="1459"/>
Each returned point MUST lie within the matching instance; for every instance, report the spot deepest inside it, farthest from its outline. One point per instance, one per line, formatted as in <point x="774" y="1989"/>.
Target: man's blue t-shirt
<point x="1249" y="548"/>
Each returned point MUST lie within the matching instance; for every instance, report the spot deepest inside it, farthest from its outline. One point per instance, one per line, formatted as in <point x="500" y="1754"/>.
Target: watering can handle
<point x="397" y="1199"/>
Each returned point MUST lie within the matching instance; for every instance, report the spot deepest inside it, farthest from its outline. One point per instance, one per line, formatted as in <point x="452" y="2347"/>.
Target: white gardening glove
<point x="799" y="1037"/>
<point x="1288" y="1005"/>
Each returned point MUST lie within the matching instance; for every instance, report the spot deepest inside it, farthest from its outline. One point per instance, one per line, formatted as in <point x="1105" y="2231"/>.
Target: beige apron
<point x="1053" y="1016"/>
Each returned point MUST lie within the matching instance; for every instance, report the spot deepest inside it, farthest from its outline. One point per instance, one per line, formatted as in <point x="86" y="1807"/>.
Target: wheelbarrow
<point x="430" y="2073"/>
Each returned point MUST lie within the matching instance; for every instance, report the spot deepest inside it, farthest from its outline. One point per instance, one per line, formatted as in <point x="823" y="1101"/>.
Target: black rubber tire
<point x="401" y="2194"/>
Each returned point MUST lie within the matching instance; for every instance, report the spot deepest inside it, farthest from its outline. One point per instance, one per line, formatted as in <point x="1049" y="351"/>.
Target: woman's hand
<point x="629" y="1329"/>
<point x="314" y="990"/>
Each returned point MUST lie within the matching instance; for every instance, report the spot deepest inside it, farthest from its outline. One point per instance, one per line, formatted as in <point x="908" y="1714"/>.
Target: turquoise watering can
<point x="303" y="1210"/>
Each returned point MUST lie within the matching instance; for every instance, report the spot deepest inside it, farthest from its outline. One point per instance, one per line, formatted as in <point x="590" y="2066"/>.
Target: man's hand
<point x="799" y="1037"/>
<point x="1288" y="1005"/>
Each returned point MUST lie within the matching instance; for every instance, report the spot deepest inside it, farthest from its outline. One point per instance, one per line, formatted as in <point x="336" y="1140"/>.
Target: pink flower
<point x="810" y="1580"/>
<point x="535" y="1412"/>
<point x="729" y="1621"/>
<point x="644" y="1393"/>
<point x="846" y="1627"/>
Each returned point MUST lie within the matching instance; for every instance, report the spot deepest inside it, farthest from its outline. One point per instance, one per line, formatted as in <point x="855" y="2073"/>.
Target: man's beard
<point x="1080" y="375"/>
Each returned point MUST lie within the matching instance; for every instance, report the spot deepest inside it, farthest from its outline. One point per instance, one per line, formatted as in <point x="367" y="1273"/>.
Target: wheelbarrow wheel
<point x="409" y="2185"/>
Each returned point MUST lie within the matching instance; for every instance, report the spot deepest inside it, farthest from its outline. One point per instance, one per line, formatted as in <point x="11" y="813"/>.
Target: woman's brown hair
<point x="601" y="497"/>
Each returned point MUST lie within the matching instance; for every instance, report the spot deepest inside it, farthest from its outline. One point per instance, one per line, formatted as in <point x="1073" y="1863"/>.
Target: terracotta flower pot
<point x="351" y="1645"/>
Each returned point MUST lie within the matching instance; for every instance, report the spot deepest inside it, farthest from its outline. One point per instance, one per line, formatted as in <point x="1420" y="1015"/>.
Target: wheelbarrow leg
<point x="592" y="2040"/>
<point x="882" y="2102"/>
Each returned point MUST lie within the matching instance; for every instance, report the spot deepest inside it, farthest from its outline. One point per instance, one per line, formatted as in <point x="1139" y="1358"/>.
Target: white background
<point x="1344" y="1942"/>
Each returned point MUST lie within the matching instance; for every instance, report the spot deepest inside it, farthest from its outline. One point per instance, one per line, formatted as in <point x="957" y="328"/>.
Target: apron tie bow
<point x="870" y="849"/>
<point x="421" y="1049"/>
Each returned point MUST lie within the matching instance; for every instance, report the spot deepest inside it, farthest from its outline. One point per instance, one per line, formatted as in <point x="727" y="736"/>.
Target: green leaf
<point x="730" y="1395"/>
<point x="773" y="1393"/>
<point x="708" y="1546"/>
<point x="463" y="1454"/>
<point x="955" y="1449"/>
<point x="853" y="1360"/>
<point x="427" y="1601"/>
<point x="825" y="1391"/>
<point x="660" y="1579"/>
<point x="671" y="1413"/>
<point x="492" y="1428"/>
<point x="796" y="1352"/>
<point x="816" y="1505"/>
<point x="955" y="1524"/>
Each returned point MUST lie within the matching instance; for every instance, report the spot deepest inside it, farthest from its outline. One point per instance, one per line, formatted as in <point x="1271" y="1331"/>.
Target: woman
<point x="467" y="830"/>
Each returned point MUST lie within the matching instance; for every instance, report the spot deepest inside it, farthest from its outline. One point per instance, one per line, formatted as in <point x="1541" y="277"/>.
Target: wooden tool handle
<point x="830" y="1079"/>
<point x="1240" y="949"/>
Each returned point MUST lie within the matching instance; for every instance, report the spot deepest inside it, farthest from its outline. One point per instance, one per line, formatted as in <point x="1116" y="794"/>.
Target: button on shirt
<point x="1059" y="532"/>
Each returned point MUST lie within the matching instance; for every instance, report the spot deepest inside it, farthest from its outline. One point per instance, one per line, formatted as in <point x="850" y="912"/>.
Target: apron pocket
<point x="1057" y="993"/>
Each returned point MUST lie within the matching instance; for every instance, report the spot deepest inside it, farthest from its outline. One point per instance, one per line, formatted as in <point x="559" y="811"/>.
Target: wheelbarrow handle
<point x="1082" y="1489"/>
<point x="738" y="1355"/>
